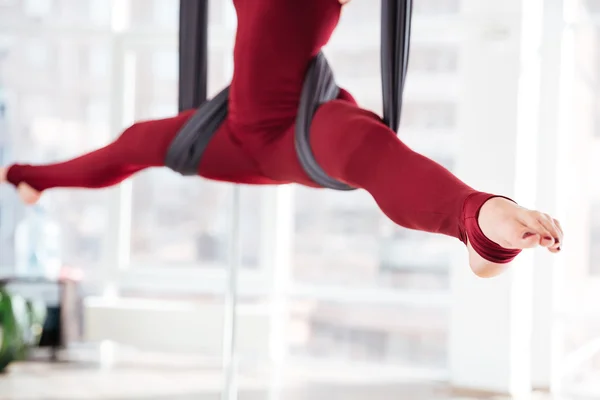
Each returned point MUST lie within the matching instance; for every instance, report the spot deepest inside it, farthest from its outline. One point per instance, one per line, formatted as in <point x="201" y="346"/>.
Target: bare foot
<point x="513" y="227"/>
<point x="28" y="194"/>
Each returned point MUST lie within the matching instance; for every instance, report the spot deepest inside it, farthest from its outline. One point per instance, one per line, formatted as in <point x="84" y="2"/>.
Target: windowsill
<point x="128" y="303"/>
<point x="191" y="283"/>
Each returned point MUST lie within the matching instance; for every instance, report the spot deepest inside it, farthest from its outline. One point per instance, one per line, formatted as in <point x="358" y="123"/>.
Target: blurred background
<point x="333" y="299"/>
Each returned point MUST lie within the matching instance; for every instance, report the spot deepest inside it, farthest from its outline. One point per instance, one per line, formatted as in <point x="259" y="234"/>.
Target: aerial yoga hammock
<point x="284" y="120"/>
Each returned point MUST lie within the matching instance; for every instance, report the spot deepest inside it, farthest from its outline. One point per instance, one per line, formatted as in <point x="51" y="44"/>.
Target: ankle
<point x="472" y="214"/>
<point x="470" y="210"/>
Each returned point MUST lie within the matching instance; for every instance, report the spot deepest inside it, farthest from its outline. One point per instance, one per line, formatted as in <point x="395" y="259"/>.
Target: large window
<point x="180" y="221"/>
<point x="580" y="75"/>
<point x="75" y="73"/>
<point x="344" y="244"/>
<point x="383" y="334"/>
<point x="55" y="106"/>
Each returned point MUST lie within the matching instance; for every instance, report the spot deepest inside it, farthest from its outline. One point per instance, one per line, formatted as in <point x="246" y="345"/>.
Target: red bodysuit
<point x="275" y="42"/>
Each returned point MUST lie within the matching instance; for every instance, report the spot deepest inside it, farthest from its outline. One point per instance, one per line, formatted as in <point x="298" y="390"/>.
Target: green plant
<point x="10" y="341"/>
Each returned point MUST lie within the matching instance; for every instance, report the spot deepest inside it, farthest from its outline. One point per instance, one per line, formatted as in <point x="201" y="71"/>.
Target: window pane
<point x="51" y="112"/>
<point x="72" y="13"/>
<point x="343" y="238"/>
<point x="580" y="334"/>
<point x="436" y="7"/>
<point x="581" y="284"/>
<point x="37" y="8"/>
<point x="379" y="334"/>
<point x="440" y="58"/>
<point x="344" y="242"/>
<point x="154" y="14"/>
<point x="178" y="220"/>
<point x="592" y="6"/>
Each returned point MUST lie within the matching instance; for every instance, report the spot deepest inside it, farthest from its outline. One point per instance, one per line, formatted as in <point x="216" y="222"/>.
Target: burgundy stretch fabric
<point x="275" y="42"/>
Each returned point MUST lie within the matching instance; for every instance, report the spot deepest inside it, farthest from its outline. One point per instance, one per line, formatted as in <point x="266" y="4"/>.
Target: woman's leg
<point x="141" y="146"/>
<point x="354" y="146"/>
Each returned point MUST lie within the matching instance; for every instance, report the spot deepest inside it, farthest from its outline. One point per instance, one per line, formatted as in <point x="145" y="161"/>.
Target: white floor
<point x="143" y="376"/>
<point x="81" y="381"/>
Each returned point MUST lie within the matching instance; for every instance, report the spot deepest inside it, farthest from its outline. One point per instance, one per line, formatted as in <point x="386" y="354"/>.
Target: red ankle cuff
<point x="486" y="248"/>
<point x="13" y="175"/>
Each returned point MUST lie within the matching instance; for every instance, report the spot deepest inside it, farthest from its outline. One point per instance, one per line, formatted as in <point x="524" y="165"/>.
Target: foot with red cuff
<point x="497" y="229"/>
<point x="27" y="194"/>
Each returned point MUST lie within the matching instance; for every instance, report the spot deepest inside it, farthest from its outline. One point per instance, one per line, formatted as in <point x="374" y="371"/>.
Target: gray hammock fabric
<point x="185" y="151"/>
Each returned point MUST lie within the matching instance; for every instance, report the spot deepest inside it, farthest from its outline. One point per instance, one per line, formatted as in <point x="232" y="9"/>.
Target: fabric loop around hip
<point x="319" y="87"/>
<point x="186" y="149"/>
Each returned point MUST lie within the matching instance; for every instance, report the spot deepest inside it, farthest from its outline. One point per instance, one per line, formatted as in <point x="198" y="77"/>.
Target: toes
<point x="526" y="239"/>
<point x="543" y="226"/>
<point x="549" y="224"/>
<point x="547" y="229"/>
<point x="561" y="234"/>
<point x="559" y="240"/>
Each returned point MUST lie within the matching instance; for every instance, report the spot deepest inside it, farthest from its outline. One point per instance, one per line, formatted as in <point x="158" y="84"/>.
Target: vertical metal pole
<point x="229" y="327"/>
<point x="279" y="219"/>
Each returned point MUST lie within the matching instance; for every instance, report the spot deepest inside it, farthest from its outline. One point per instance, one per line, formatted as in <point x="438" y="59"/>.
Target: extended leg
<point x="141" y="146"/>
<point x="352" y="145"/>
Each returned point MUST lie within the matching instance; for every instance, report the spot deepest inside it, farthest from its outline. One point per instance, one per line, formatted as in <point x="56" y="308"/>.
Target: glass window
<point x="342" y="240"/>
<point x="429" y="115"/>
<point x="156" y="14"/>
<point x="165" y="65"/>
<point x="98" y="61"/>
<point x="360" y="15"/>
<point x="162" y="110"/>
<point x="592" y="6"/>
<point x="434" y="58"/>
<point x="344" y="237"/>
<point x="97" y="117"/>
<point x="436" y="7"/>
<point x="369" y="334"/>
<point x="99" y="12"/>
<point x="218" y="13"/>
<point x="185" y="221"/>
<point x="141" y="13"/>
<point x="49" y="122"/>
<point x="38" y="53"/>
<point x="358" y="71"/>
<point x="38" y="8"/>
<point x="166" y="13"/>
<point x="581" y="280"/>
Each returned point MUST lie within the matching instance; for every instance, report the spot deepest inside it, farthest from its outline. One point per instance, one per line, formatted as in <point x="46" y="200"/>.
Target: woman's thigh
<point x="338" y="129"/>
<point x="225" y="160"/>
